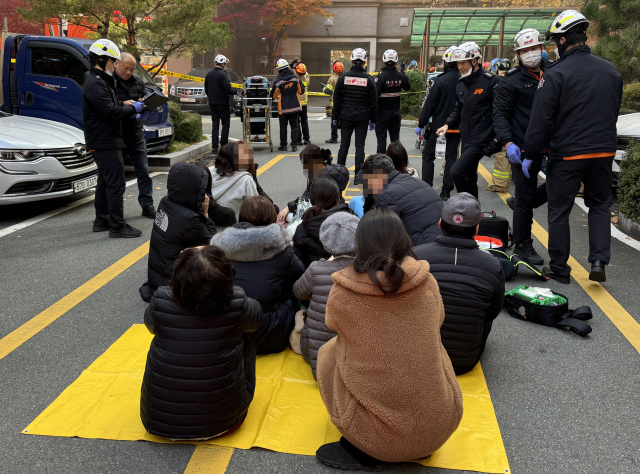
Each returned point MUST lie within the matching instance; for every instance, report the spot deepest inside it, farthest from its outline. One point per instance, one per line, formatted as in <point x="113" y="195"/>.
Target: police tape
<point x="190" y="78"/>
<point x="327" y="95"/>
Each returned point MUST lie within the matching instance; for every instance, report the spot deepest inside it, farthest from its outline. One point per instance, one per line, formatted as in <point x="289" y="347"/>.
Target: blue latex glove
<point x="526" y="164"/>
<point x="372" y="126"/>
<point x="418" y="130"/>
<point x="143" y="116"/>
<point x="335" y="122"/>
<point x="139" y="106"/>
<point x="513" y="154"/>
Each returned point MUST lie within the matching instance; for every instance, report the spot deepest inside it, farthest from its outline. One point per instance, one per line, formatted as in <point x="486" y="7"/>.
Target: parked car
<point x="41" y="159"/>
<point x="628" y="128"/>
<point x="191" y="94"/>
<point x="42" y="77"/>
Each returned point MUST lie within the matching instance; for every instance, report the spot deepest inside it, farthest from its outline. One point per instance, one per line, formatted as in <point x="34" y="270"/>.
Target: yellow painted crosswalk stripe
<point x="620" y="317"/>
<point x="209" y="459"/>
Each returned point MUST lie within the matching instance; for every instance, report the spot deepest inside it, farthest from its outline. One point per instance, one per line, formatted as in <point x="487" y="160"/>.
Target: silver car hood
<point x="629" y="125"/>
<point x="30" y="133"/>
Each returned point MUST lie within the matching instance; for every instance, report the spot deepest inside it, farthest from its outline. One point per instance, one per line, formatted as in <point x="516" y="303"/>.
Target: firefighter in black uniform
<point x="473" y="113"/>
<point x="575" y="113"/>
<point x="439" y="105"/>
<point x="217" y="86"/>
<point x="102" y="121"/>
<point x="355" y="104"/>
<point x="389" y="84"/>
<point x="511" y="111"/>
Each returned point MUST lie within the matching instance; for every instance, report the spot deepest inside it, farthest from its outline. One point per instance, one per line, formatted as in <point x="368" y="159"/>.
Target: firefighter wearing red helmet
<point x="338" y="69"/>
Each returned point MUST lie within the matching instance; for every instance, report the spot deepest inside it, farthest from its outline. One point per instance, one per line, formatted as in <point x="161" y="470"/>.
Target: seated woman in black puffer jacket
<point x="186" y="217"/>
<point x="200" y="376"/>
<point x="316" y="163"/>
<point x="266" y="268"/>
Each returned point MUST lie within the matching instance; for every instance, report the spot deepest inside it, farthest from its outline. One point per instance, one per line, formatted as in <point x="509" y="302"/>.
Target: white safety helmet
<point x="390" y="56"/>
<point x="564" y="22"/>
<point x="282" y="64"/>
<point x="359" y="54"/>
<point x="105" y="47"/>
<point x="221" y="59"/>
<point x="446" y="57"/>
<point x="526" y="38"/>
<point x="466" y="52"/>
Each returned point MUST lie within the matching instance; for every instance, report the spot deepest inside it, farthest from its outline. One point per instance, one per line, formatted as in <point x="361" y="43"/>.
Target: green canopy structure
<point x="486" y="26"/>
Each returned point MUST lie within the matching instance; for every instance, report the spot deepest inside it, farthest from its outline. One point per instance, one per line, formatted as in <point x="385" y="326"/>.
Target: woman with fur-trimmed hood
<point x="266" y="269"/>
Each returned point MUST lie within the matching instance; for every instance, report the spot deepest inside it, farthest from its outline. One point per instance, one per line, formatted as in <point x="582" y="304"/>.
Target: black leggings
<point x="465" y="171"/>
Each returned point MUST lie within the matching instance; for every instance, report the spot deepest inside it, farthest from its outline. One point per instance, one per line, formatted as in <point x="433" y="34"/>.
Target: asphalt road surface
<point x="564" y="404"/>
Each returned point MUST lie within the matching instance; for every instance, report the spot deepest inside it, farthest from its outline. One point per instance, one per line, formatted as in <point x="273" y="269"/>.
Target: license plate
<point x="85" y="184"/>
<point x="163" y="132"/>
<point x="186" y="99"/>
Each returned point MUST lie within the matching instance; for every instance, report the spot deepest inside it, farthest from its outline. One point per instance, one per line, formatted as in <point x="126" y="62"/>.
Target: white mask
<point x="110" y="73"/>
<point x="531" y="59"/>
<point x="557" y="53"/>
<point x="468" y="73"/>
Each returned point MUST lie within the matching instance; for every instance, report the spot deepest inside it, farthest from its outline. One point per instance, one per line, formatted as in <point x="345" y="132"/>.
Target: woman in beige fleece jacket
<point x="386" y="379"/>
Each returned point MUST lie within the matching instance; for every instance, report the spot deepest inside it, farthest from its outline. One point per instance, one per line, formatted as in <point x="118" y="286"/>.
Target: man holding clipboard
<point x="130" y="89"/>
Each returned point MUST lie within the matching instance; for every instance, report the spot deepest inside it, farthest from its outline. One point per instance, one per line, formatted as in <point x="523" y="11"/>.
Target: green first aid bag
<point x="548" y="308"/>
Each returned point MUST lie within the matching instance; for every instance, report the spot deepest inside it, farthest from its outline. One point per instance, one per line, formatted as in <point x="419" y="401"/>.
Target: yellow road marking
<point x="619" y="316"/>
<point x="19" y="336"/>
<point x="209" y="459"/>
<point x="32" y="327"/>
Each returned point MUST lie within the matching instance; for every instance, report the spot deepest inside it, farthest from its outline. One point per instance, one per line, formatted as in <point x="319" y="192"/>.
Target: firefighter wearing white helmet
<point x="217" y="86"/>
<point x="287" y="89"/>
<point x="574" y="115"/>
<point x="102" y="115"/>
<point x="437" y="107"/>
<point x="389" y="85"/>
<point x="355" y="105"/>
<point x="472" y="115"/>
<point x="511" y="113"/>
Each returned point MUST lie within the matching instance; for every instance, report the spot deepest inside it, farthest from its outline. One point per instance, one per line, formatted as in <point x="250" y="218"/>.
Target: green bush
<point x="186" y="127"/>
<point x="629" y="184"/>
<point x="410" y="103"/>
<point x="631" y="96"/>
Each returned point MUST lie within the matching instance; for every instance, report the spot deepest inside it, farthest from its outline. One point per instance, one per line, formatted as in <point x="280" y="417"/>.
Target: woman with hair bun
<point x="317" y="163"/>
<point x="325" y="197"/>
<point x="386" y="379"/>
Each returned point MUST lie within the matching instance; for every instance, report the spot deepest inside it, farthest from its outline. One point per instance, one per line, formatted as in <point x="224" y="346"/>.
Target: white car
<point x="41" y="159"/>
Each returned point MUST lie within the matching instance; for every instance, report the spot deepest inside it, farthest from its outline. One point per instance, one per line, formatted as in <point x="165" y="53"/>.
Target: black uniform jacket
<point x="131" y="89"/>
<point x="389" y="85"/>
<point x="441" y="100"/>
<point x="576" y="108"/>
<point x="101" y="113"/>
<point x="473" y="113"/>
<point x="513" y="102"/>
<point x="355" y="97"/>
<point x="217" y="86"/>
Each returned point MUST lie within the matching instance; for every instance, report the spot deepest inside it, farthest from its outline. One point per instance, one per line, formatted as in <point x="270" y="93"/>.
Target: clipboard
<point x="154" y="101"/>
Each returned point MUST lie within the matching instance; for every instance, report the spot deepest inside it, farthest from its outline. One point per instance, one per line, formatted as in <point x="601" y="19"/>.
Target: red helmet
<point x="487" y="65"/>
<point x="338" y="67"/>
<point x="432" y="69"/>
<point x="301" y="69"/>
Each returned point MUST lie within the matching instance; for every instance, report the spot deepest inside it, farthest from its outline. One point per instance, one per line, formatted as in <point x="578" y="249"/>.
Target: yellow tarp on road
<point x="287" y="414"/>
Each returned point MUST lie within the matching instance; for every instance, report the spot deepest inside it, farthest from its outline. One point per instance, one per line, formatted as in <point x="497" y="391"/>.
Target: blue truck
<point x="42" y="77"/>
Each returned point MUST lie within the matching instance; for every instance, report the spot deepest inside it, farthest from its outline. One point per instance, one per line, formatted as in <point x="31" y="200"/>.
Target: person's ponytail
<point x="324" y="194"/>
<point x="326" y="156"/>
<point x="382" y="243"/>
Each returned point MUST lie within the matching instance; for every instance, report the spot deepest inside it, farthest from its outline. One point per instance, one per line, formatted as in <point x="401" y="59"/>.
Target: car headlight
<point x="172" y="91"/>
<point x="22" y="155"/>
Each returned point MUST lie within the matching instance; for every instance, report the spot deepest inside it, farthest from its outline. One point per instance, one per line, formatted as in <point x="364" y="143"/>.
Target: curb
<point x="164" y="162"/>
<point x="409" y="123"/>
<point x="629" y="226"/>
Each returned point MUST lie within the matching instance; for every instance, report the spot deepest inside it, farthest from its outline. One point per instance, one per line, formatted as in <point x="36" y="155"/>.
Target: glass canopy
<point x="458" y="25"/>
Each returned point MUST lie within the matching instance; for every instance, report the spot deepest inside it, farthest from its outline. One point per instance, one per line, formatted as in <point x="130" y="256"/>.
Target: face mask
<point x="531" y="59"/>
<point x="109" y="73"/>
<point x="468" y="73"/>
<point x="557" y="52"/>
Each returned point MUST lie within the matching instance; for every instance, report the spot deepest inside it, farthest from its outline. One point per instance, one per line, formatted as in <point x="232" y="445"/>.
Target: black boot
<point x="125" y="231"/>
<point x="526" y="252"/>
<point x="597" y="271"/>
<point x="511" y="202"/>
<point x="294" y="147"/>
<point x="444" y="195"/>
<point x="100" y="226"/>
<point x="283" y="148"/>
<point x="149" y="211"/>
<point x="214" y="150"/>
<point x="344" y="455"/>
<point x="331" y="140"/>
<point x="564" y="279"/>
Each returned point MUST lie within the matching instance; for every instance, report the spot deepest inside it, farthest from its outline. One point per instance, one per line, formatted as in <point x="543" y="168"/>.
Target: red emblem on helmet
<point x="457" y="219"/>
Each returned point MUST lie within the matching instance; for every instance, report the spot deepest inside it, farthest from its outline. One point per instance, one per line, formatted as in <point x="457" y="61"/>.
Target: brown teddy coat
<point x="386" y="379"/>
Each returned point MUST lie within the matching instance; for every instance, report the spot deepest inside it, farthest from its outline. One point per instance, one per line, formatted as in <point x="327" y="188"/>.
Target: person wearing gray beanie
<point x="338" y="234"/>
<point x="338" y="237"/>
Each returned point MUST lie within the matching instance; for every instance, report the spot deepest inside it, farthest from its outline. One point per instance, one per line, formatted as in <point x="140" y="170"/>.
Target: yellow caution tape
<point x="191" y="78"/>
